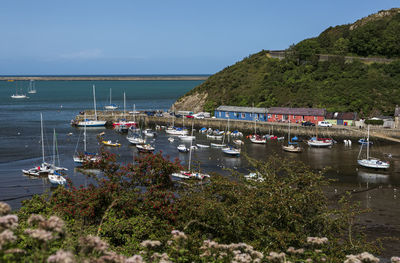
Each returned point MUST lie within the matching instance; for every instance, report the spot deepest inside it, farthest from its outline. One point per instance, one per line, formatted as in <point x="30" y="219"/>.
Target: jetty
<point x="104" y="78"/>
<point x="247" y="127"/>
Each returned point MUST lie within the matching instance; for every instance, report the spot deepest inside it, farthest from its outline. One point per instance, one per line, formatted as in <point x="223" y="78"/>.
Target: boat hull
<point x="373" y="163"/>
<point x="91" y="123"/>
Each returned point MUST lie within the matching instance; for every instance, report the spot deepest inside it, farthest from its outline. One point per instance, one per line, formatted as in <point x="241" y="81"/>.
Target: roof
<point x="297" y="111"/>
<point x="242" y="109"/>
<point x="341" y="115"/>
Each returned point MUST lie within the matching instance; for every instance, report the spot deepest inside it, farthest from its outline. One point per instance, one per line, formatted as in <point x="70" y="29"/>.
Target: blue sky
<point x="158" y="37"/>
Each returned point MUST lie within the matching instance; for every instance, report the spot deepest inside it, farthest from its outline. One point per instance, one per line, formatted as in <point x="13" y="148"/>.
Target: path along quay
<point x="338" y="133"/>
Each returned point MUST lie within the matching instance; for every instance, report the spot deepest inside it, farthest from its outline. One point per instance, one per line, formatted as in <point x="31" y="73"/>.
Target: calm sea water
<point x="60" y="101"/>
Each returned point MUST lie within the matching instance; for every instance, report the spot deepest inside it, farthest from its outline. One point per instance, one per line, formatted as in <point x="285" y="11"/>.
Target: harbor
<point x="165" y="119"/>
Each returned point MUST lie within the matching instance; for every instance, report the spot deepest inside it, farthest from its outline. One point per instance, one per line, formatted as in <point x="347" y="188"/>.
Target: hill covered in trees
<point x="301" y="80"/>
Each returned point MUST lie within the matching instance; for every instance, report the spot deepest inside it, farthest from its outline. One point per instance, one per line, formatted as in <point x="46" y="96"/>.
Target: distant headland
<point x="106" y="77"/>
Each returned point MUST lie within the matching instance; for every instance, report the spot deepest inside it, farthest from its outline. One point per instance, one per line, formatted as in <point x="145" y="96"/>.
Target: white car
<point x="324" y="124"/>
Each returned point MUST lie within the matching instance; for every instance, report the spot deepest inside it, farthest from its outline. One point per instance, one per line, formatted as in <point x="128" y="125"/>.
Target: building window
<point x="294" y="117"/>
<point x="243" y="115"/>
<point x="315" y="118"/>
<point x="276" y="116"/>
<point x="269" y="116"/>
<point x="227" y="114"/>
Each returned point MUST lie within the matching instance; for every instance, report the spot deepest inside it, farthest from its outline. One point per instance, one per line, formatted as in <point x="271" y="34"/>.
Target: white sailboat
<point x="44" y="168"/>
<point x="319" y="142"/>
<point x="85" y="156"/>
<point x="111" y="106"/>
<point x="175" y="130"/>
<point x="122" y="124"/>
<point x="255" y="138"/>
<point x="371" y="162"/>
<point x="190" y="174"/>
<point x="18" y="95"/>
<point x="32" y="88"/>
<point x="292" y="146"/>
<point x="94" y="122"/>
<point x="54" y="175"/>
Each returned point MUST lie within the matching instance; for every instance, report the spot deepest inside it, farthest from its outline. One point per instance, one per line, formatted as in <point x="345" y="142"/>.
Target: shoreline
<point x="104" y="78"/>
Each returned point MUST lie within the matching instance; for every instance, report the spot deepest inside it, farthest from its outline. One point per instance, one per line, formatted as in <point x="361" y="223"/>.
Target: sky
<point x="94" y="37"/>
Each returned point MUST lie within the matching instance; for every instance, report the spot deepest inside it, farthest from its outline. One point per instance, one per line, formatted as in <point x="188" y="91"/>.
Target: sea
<point x="60" y="101"/>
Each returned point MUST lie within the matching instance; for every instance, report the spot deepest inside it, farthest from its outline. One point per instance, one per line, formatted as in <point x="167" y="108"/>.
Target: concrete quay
<point x="247" y="127"/>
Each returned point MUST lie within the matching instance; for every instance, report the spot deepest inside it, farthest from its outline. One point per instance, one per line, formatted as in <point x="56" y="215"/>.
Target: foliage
<point x="334" y="85"/>
<point x="374" y="122"/>
<point x="139" y="202"/>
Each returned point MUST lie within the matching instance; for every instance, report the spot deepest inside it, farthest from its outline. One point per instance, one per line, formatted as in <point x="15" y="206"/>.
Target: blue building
<point x="241" y="113"/>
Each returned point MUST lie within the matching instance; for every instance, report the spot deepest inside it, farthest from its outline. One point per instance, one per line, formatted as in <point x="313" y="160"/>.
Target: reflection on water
<point x="372" y="177"/>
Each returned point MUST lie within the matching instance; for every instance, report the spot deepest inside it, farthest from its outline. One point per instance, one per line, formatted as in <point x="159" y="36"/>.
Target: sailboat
<point x="44" y="168"/>
<point x="111" y="106"/>
<point x="175" y="130"/>
<point x="255" y="138"/>
<point x="54" y="175"/>
<point x="370" y="162"/>
<point x="18" y="96"/>
<point x="319" y="142"/>
<point x="32" y="88"/>
<point x="86" y="156"/>
<point x="190" y="174"/>
<point x="292" y="146"/>
<point x="123" y="125"/>
<point x="94" y="122"/>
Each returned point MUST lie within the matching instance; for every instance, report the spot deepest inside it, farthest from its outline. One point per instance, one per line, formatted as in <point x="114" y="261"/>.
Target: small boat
<point x="217" y="145"/>
<point x="257" y="139"/>
<point x="194" y="147"/>
<point x="31" y="88"/>
<point x="370" y="162"/>
<point x="176" y="131"/>
<point x="190" y="175"/>
<point x="111" y="106"/>
<point x="238" y="142"/>
<point x="364" y="142"/>
<point x="36" y="171"/>
<point x="94" y="122"/>
<point x="182" y="148"/>
<point x="170" y="139"/>
<point x="231" y="151"/>
<point x="19" y="96"/>
<point x="56" y="178"/>
<point x="203" y="130"/>
<point x="135" y="139"/>
<point x="215" y="137"/>
<point x="292" y="147"/>
<point x="254" y="177"/>
<point x="236" y="134"/>
<point x="186" y="138"/>
<point x="202" y="145"/>
<point x="320" y="142"/>
<point x="149" y="133"/>
<point x="145" y="148"/>
<point x="110" y="143"/>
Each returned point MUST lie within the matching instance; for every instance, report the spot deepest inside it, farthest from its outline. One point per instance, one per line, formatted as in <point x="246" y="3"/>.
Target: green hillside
<point x="301" y="80"/>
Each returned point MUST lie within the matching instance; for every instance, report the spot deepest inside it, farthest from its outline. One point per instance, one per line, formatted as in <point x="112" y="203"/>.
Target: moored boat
<point x="110" y="143"/>
<point x="145" y="148"/>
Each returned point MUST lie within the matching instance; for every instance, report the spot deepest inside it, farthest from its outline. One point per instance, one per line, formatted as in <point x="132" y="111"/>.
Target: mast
<point x="134" y="113"/>
<point x="84" y="136"/>
<point x="190" y="150"/>
<point x="41" y="132"/>
<point x="124" y="104"/>
<point x="54" y="147"/>
<point x="289" y="133"/>
<point x="94" y="102"/>
<point x="368" y="144"/>
<point x="110" y="96"/>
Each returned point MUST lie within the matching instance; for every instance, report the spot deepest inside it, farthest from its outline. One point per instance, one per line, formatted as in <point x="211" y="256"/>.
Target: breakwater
<point x="103" y="78"/>
<point x="247" y="127"/>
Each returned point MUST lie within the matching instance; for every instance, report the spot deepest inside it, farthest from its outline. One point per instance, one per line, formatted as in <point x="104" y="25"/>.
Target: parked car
<point x="307" y="123"/>
<point x="324" y="124"/>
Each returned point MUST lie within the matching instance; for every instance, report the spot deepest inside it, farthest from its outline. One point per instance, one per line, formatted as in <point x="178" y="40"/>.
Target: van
<point x="324" y="124"/>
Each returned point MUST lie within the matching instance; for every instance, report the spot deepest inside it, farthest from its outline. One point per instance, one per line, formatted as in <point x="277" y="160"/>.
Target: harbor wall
<point x="247" y="127"/>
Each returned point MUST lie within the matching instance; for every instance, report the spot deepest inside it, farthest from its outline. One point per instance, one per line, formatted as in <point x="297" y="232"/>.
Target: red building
<point x="295" y="115"/>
